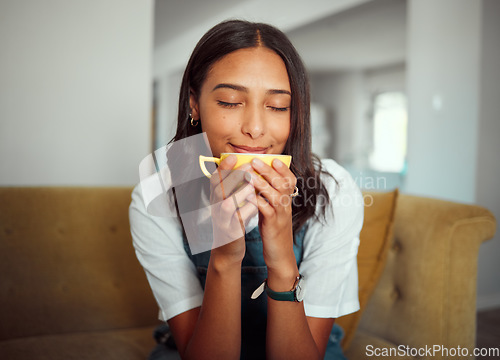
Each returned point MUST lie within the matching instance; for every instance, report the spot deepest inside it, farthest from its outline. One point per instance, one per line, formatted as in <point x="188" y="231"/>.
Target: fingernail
<point x="257" y="163"/>
<point x="277" y="163"/>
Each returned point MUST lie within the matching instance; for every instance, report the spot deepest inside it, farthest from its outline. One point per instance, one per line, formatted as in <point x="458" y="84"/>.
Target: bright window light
<point x="390" y="121"/>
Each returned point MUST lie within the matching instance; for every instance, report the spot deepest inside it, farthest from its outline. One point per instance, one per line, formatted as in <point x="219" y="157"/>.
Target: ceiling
<point x="172" y="16"/>
<point x="368" y="36"/>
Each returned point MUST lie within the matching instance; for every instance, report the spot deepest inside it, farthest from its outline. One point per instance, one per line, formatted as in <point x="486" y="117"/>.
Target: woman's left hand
<point x="275" y="213"/>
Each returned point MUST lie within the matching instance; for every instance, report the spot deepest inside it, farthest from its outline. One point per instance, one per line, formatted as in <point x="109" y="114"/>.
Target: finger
<point x="248" y="211"/>
<point x="226" y="164"/>
<point x="226" y="182"/>
<point x="225" y="209"/>
<point x="272" y="196"/>
<point x="285" y="172"/>
<point x="244" y="194"/>
<point x="228" y="225"/>
<point x="265" y="208"/>
<point x="223" y="212"/>
<point x="261" y="185"/>
<point x="278" y="176"/>
<point x="265" y="190"/>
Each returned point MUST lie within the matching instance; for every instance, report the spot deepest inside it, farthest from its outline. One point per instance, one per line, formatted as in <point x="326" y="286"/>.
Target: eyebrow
<point x="245" y="89"/>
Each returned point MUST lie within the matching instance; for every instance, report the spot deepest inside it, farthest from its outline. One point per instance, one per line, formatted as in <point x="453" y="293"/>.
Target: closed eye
<point x="278" y="108"/>
<point x="227" y="104"/>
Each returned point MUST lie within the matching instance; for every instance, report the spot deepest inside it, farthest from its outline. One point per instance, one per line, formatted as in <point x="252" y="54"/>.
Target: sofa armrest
<point x="427" y="293"/>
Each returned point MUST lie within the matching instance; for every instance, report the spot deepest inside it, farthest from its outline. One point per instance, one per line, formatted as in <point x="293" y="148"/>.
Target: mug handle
<point x="203" y="168"/>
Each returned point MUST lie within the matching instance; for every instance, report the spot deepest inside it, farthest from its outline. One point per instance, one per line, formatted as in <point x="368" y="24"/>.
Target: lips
<point x="249" y="149"/>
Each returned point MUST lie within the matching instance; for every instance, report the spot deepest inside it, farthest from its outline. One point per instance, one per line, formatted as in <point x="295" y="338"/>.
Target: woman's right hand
<point x="231" y="198"/>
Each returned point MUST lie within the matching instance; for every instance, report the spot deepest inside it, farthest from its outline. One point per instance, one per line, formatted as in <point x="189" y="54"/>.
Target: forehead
<point x="258" y="66"/>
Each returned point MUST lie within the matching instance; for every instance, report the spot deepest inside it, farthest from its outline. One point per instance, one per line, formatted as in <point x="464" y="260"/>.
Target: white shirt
<point x="329" y="264"/>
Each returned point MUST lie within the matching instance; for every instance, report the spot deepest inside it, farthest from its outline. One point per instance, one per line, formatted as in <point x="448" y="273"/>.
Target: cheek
<point x="217" y="124"/>
<point x="286" y="131"/>
<point x="281" y="131"/>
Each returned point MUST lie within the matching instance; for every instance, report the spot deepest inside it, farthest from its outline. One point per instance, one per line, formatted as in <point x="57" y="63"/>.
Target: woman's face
<point x="244" y="103"/>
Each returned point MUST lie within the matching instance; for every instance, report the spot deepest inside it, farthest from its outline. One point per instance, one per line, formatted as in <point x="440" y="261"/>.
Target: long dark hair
<point x="233" y="35"/>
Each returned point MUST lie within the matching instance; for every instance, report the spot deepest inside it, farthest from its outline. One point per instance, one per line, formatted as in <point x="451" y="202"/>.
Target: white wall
<point x="343" y="97"/>
<point x="168" y="102"/>
<point x="488" y="163"/>
<point x="453" y="81"/>
<point x="443" y="88"/>
<point x="389" y="78"/>
<point x="75" y="83"/>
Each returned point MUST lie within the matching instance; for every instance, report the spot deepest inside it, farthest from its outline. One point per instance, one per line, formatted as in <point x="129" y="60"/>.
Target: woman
<point x="246" y="88"/>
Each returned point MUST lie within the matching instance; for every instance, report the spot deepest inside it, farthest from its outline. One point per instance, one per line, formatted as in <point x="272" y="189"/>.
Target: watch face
<point x="300" y="290"/>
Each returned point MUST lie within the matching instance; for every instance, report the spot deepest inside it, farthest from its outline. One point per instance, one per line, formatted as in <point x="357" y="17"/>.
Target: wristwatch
<point x="296" y="294"/>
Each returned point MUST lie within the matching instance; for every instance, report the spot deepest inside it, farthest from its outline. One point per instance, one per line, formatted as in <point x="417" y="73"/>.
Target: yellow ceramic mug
<point x="243" y="158"/>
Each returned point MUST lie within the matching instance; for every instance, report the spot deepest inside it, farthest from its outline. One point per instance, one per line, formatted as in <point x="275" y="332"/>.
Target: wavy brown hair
<point x="233" y="35"/>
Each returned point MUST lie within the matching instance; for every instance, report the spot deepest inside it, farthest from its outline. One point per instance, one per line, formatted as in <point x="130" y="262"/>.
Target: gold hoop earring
<point x="194" y="122"/>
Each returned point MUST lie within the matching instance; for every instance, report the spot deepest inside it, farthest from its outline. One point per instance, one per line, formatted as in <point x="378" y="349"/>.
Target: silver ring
<point x="295" y="192"/>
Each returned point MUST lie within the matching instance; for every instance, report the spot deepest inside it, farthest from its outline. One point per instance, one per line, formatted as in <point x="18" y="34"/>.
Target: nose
<point x="254" y="124"/>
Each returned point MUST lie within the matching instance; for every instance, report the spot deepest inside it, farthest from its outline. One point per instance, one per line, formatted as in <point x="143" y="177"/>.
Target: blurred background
<point x="406" y="93"/>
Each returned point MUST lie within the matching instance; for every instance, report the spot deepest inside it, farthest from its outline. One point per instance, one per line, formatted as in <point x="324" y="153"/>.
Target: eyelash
<point x="227" y="105"/>
<point x="279" y="109"/>
<point x="233" y="105"/>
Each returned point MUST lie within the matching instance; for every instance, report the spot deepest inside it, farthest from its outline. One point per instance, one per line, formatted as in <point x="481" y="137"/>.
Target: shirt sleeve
<point x="329" y="263"/>
<point x="159" y="248"/>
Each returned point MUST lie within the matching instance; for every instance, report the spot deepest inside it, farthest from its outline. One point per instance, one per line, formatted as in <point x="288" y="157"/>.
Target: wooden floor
<point x="488" y="331"/>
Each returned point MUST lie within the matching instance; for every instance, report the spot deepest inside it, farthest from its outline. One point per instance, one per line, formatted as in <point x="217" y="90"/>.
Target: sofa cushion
<point x="68" y="263"/>
<point x="125" y="344"/>
<point x="375" y="239"/>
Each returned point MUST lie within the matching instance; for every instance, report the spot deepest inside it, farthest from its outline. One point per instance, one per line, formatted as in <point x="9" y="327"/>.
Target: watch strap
<point x="280" y="296"/>
<point x="283" y="295"/>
